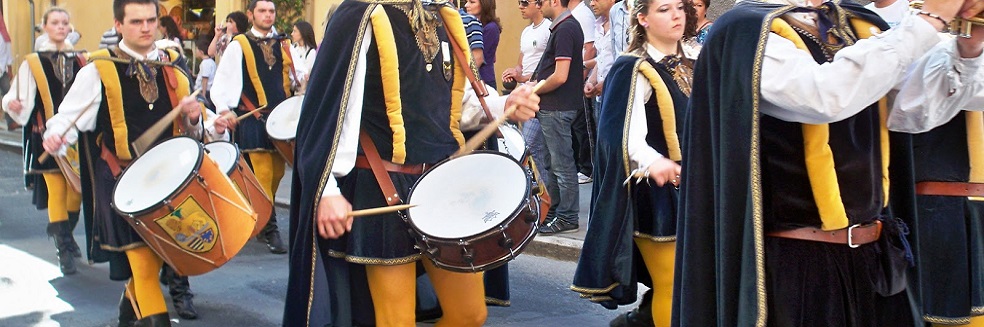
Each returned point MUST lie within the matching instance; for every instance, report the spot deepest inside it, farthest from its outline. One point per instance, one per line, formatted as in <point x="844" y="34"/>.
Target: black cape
<point x="610" y="266"/>
<point x="323" y="290"/>
<point x="720" y="271"/>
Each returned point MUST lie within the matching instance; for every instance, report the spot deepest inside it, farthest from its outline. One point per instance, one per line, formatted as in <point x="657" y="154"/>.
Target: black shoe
<point x="180" y="290"/>
<point x="185" y="307"/>
<point x="274" y="243"/>
<point x="65" y="246"/>
<point x="127" y="315"/>
<point x="271" y="236"/>
<point x="158" y="320"/>
<point x="557" y="226"/>
<point x="73" y="220"/>
<point x="633" y="318"/>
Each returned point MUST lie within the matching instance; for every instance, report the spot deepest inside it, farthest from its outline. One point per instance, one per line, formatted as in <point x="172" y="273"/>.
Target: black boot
<point x="181" y="295"/>
<point x="62" y="233"/>
<point x="271" y="235"/>
<point x="73" y="219"/>
<point x="158" y="320"/>
<point x="641" y="316"/>
<point x="127" y="315"/>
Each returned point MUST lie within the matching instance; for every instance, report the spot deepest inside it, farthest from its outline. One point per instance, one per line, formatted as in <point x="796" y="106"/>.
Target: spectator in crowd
<point x="473" y="31"/>
<point x="892" y="11"/>
<point x="603" y="62"/>
<point x="620" y="18"/>
<point x="532" y="43"/>
<point x="236" y="23"/>
<point x="582" y="141"/>
<point x="6" y="61"/>
<point x="484" y="10"/>
<point x="303" y="51"/>
<point x="110" y="38"/>
<point x="206" y="70"/>
<point x="562" y="70"/>
<point x="170" y="34"/>
<point x="704" y="24"/>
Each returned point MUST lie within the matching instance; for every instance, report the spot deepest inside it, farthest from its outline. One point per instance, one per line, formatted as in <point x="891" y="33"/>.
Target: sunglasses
<point x="526" y="3"/>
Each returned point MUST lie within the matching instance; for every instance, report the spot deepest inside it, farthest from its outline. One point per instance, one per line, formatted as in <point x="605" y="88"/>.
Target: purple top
<point x="490" y="38"/>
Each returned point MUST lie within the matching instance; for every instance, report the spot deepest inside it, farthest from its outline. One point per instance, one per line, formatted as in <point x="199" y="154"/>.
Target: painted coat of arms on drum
<point x="190" y="227"/>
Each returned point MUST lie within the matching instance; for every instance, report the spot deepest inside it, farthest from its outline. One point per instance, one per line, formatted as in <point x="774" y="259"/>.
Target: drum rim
<point x="239" y="154"/>
<point x="526" y="147"/>
<point x="266" y="126"/>
<point x="512" y="215"/>
<point x="155" y="207"/>
<point x="494" y="263"/>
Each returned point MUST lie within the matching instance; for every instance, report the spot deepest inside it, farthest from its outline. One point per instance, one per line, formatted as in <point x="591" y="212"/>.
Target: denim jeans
<point x="533" y="135"/>
<point x="556" y="127"/>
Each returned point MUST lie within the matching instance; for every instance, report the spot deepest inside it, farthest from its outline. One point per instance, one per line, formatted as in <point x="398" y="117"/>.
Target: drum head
<point x="157" y="174"/>
<point x="512" y="142"/>
<point x="225" y="154"/>
<point x="468" y="195"/>
<point x="282" y="123"/>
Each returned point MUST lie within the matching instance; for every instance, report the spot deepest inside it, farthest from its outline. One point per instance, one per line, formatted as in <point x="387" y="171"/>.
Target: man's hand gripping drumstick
<point x="334" y="213"/>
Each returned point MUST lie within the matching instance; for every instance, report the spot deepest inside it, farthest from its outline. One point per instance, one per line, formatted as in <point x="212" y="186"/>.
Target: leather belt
<point x="853" y="236"/>
<point x="362" y="162"/>
<point x="950" y="188"/>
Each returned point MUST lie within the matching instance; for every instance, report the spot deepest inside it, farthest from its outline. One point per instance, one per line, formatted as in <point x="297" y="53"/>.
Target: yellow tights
<point x="62" y="199"/>
<point x="144" y="287"/>
<point x="462" y="295"/>
<point x="269" y="169"/>
<point x="974" y="322"/>
<point x="659" y="257"/>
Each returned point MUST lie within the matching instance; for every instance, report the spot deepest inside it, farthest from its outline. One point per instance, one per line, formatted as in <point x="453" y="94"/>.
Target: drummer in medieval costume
<point x="372" y="91"/>
<point x="116" y="97"/>
<point x="256" y="72"/>
<point x="42" y="81"/>
<point x="784" y="202"/>
<point x="633" y="205"/>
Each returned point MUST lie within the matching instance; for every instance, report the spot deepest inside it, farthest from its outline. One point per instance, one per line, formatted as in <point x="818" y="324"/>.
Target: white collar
<point x="152" y="55"/>
<point x="273" y="31"/>
<point x="653" y="53"/>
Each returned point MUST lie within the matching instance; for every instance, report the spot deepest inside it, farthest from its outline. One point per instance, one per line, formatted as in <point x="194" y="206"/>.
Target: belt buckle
<point x="850" y="236"/>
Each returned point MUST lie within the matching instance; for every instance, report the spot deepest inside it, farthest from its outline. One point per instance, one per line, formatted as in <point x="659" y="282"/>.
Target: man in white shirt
<point x="582" y="140"/>
<point x="119" y="75"/>
<point x="892" y="11"/>
<point x="603" y="62"/>
<point x="785" y="189"/>
<point x="532" y="42"/>
<point x="264" y="84"/>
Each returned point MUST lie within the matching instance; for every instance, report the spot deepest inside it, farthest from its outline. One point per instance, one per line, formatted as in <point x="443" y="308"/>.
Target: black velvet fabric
<point x="948" y="232"/>
<point x="251" y="133"/>
<point x="618" y="212"/>
<point x="718" y="281"/>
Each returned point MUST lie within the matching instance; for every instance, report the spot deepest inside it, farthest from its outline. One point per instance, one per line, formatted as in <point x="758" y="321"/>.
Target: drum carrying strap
<point x="376" y="163"/>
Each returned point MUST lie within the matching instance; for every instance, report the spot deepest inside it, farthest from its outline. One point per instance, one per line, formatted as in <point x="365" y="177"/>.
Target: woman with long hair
<point x="169" y="29"/>
<point x="633" y="205"/>
<point x="703" y="24"/>
<point x="42" y="81"/>
<point x="303" y="49"/>
<point x="235" y="23"/>
<point x="485" y="11"/>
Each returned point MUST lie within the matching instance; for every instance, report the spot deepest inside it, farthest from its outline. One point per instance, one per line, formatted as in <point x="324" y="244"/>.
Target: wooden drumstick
<point x="44" y="156"/>
<point x="475" y="141"/>
<point x="148" y="137"/>
<point x="243" y="116"/>
<point x="380" y="210"/>
<point x="238" y="119"/>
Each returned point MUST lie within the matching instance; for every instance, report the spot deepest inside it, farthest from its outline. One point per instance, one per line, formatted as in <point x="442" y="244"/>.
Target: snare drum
<point x="512" y="143"/>
<point x="281" y="126"/>
<point x="184" y="207"/>
<point x="231" y="161"/>
<point x="475" y="225"/>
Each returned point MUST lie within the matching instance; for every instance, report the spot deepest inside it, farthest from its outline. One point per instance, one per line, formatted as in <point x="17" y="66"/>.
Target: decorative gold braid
<point x="586" y="292"/>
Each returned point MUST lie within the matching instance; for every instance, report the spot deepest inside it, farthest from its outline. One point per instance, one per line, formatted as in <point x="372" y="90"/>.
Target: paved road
<point x="248" y="291"/>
